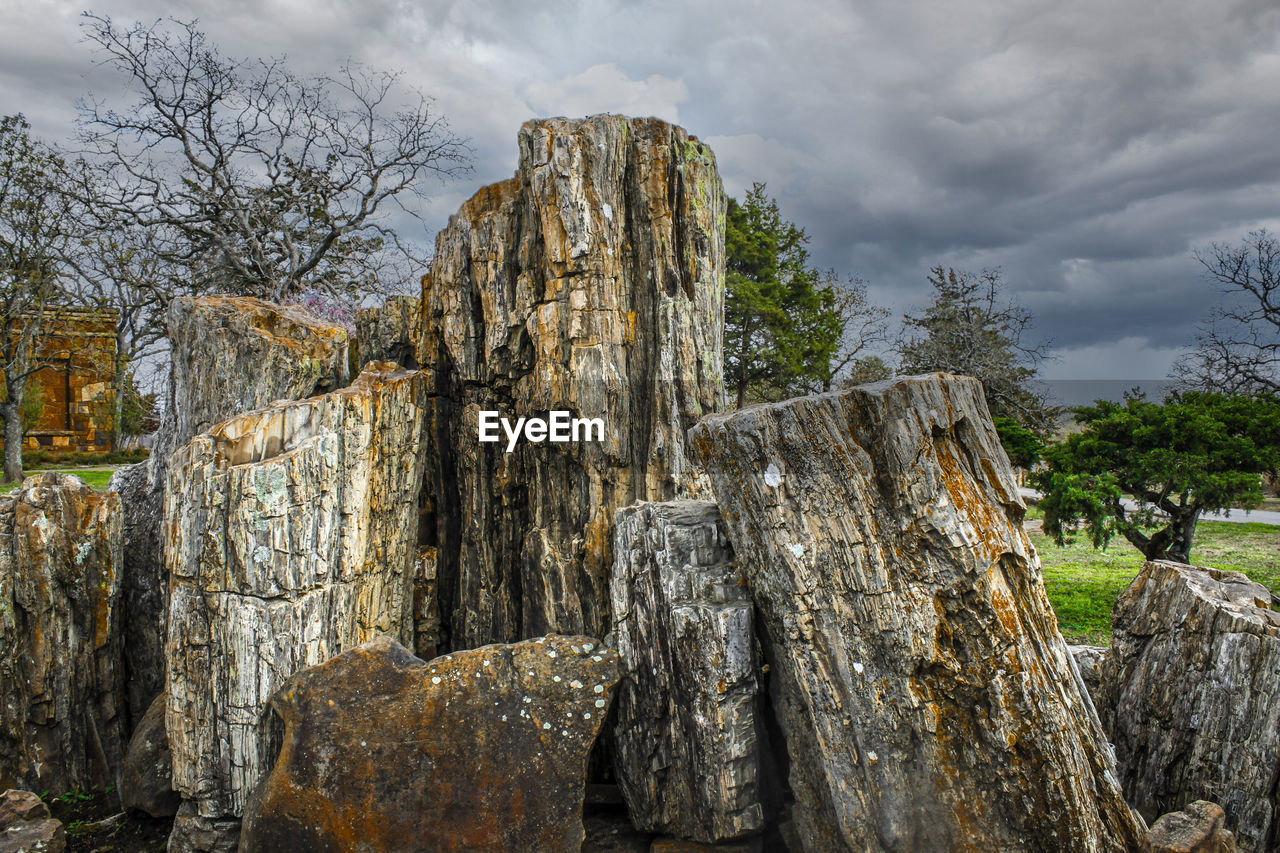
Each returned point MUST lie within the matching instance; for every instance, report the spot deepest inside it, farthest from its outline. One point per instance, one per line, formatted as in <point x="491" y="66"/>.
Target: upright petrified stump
<point x="61" y="680"/>
<point x="591" y="283"/>
<point x="389" y="332"/>
<point x="291" y="538"/>
<point x="927" y="699"/>
<point x="230" y="355"/>
<point x="685" y="741"/>
<point x="483" y="750"/>
<point x="1191" y="697"/>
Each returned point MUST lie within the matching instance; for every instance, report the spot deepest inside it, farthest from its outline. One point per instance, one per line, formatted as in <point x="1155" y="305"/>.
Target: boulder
<point x="483" y="750"/>
<point x="33" y="836"/>
<point x="291" y="537"/>
<point x="591" y="283"/>
<point x="196" y="833"/>
<point x="1191" y="699"/>
<point x="62" y="713"/>
<point x="234" y="354"/>
<point x="686" y="738"/>
<point x="926" y="697"/>
<point x="1199" y="828"/>
<point x="230" y="355"/>
<point x="146" y="783"/>
<point x="16" y="805"/>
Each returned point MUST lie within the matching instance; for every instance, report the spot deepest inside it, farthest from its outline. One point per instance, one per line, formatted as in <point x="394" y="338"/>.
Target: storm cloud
<point x="1086" y="148"/>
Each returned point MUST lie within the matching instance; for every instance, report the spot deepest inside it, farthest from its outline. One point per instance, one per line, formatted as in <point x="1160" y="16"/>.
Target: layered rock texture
<point x="686" y="739"/>
<point x="62" y="696"/>
<point x="230" y="355"/>
<point x="927" y="699"/>
<point x="389" y="332"/>
<point x="291" y="537"/>
<point x="1191" y="699"/>
<point x="483" y="750"/>
<point x="590" y="283"/>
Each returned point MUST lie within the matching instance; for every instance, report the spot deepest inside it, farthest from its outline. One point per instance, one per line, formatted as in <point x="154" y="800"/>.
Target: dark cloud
<point x="1086" y="148"/>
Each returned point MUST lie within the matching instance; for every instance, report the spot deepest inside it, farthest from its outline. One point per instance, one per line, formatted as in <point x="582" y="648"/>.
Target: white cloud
<point x="606" y="88"/>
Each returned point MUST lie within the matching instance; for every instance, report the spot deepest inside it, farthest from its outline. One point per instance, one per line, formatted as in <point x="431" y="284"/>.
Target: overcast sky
<point x="1085" y="147"/>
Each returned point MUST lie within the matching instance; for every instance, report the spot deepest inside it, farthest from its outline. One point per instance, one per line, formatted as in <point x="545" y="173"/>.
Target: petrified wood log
<point x="389" y="332"/>
<point x="230" y="355"/>
<point x="1191" y="697"/>
<point x="686" y="745"/>
<point x="927" y="699"/>
<point x="590" y="283"/>
<point x="483" y="750"/>
<point x="61" y="680"/>
<point x="291" y="537"/>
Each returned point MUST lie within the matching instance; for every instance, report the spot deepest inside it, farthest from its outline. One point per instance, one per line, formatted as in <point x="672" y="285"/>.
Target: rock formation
<point x="685" y="740"/>
<point x="483" y="750"/>
<point x="230" y="355"/>
<point x="426" y="605"/>
<point x="389" y="332"/>
<point x="1199" y="828"/>
<point x="291" y="537"/>
<point x="1191" y="698"/>
<point x="143" y="588"/>
<point x="26" y="827"/>
<point x="927" y="699"/>
<point x="1089" y="661"/>
<point x="61" y="684"/>
<point x="590" y="283"/>
<point x="146" y="783"/>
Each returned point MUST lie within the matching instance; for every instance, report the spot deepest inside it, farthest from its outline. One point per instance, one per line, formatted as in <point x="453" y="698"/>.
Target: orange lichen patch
<point x="489" y="198"/>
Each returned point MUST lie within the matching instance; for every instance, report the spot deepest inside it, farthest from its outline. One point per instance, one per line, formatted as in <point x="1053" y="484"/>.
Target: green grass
<point x="1083" y="584"/>
<point x="97" y="478"/>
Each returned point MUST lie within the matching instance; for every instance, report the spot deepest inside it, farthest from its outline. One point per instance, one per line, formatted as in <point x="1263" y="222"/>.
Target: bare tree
<point x="971" y="329"/>
<point x="277" y="183"/>
<point x="864" y="327"/>
<point x="37" y="223"/>
<point x="1238" y="347"/>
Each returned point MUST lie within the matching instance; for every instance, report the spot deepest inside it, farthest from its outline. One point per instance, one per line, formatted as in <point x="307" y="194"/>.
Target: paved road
<point x="1257" y="516"/>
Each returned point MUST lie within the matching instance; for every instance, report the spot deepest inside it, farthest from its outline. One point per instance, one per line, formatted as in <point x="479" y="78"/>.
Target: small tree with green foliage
<point x="1197" y="452"/>
<point x="789" y="329"/>
<point x="1023" y="446"/>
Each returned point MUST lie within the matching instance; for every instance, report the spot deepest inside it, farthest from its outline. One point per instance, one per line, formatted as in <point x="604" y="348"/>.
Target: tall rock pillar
<point x="927" y="699"/>
<point x="590" y="283"/>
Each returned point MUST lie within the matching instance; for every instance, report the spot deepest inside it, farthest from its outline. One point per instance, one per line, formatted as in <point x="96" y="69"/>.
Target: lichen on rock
<point x="927" y="699"/>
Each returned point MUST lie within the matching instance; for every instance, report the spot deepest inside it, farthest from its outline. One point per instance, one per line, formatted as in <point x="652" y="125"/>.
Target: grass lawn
<point x="1083" y="584"/>
<point x="97" y="478"/>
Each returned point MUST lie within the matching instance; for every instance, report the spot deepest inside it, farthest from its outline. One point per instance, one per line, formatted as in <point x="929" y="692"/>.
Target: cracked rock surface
<point x="291" y="537"/>
<point x="62" y="698"/>
<point x="927" y="699"/>
<point x="1191" y="699"/>
<point x="592" y="282"/>
<point x="230" y="355"/>
<point x="686" y="738"/>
